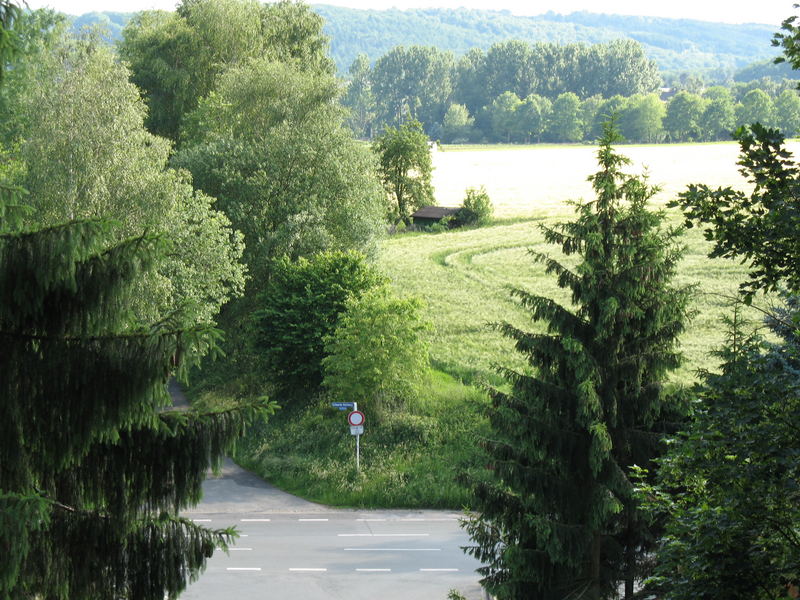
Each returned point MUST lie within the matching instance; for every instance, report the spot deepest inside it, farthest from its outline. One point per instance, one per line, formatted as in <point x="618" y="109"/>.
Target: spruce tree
<point x="556" y="516"/>
<point x="94" y="464"/>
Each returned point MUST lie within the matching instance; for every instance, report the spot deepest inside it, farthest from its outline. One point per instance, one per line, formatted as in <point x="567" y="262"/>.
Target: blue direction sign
<point x="343" y="405"/>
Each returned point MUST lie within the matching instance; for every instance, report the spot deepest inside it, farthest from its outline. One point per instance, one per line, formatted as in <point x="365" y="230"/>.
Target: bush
<point x="378" y="352"/>
<point x="300" y="307"/>
<point x="477" y="207"/>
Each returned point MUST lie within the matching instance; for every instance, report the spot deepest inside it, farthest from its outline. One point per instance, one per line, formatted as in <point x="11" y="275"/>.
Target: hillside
<point x="675" y="44"/>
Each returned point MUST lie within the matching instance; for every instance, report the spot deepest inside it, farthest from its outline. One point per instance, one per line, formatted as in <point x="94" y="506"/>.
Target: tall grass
<point x="410" y="458"/>
<point x="465" y="277"/>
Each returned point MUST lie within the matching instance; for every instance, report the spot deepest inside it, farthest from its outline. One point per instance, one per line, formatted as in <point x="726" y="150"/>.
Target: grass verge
<point x="410" y="456"/>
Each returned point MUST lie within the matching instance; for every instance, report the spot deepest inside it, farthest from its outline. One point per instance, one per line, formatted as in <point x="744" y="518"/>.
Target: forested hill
<point x="675" y="44"/>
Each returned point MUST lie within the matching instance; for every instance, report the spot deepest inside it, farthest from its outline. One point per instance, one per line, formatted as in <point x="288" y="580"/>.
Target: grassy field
<point x="412" y="455"/>
<point x="536" y="180"/>
<point x="465" y="275"/>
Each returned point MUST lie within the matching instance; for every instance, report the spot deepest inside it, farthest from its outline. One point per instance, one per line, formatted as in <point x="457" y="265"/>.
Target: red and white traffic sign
<point x="355" y="418"/>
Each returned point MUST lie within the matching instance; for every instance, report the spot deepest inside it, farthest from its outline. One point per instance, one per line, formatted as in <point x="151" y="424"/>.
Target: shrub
<point x="378" y="352"/>
<point x="299" y="307"/>
<point x="477" y="207"/>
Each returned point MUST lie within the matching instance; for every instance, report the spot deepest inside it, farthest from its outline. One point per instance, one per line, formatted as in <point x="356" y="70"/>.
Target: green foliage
<point x="719" y="117"/>
<point x="271" y="145"/>
<point x="477" y="207"/>
<point x="787" y="113"/>
<point x="760" y="228"/>
<point x="377" y="355"/>
<point x="405" y="168"/>
<point x="556" y="511"/>
<point x="84" y="153"/>
<point x="642" y="119"/>
<point x="457" y="124"/>
<point x="10" y="12"/>
<point x="176" y="58"/>
<point x="756" y="107"/>
<point x="728" y="488"/>
<point x="503" y="116"/>
<point x="412" y="84"/>
<point x="407" y="456"/>
<point x="87" y="511"/>
<point x="677" y="46"/>
<point x="533" y="115"/>
<point x="684" y="114"/>
<point x="359" y="98"/>
<point x="565" y="120"/>
<point x="299" y="307"/>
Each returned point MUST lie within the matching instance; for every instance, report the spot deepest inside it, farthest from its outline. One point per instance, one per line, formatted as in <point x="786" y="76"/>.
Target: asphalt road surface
<point x="293" y="549"/>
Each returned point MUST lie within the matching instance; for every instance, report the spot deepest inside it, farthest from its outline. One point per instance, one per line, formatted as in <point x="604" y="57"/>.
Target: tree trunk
<point x="630" y="553"/>
<point x="594" y="567"/>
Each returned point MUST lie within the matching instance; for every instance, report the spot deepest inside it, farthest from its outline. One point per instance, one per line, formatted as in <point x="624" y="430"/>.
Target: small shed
<point x="430" y="215"/>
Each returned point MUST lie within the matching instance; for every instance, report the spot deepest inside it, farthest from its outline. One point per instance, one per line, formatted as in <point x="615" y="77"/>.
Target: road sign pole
<point x="356" y="420"/>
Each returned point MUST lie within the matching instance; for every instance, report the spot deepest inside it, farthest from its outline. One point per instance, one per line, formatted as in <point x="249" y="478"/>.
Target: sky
<point x="770" y="12"/>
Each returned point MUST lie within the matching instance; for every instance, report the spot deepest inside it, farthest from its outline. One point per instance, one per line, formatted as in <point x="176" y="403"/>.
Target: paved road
<point x="294" y="549"/>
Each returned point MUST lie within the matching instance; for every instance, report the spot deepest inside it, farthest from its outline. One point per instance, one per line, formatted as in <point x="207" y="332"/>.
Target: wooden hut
<point x="430" y="215"/>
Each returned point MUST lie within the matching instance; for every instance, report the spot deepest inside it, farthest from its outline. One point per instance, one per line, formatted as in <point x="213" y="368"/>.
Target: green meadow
<point x="465" y="275"/>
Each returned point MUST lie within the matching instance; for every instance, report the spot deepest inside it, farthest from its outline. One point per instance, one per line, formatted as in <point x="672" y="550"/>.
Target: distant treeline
<point x="520" y="92"/>
<point x="715" y="49"/>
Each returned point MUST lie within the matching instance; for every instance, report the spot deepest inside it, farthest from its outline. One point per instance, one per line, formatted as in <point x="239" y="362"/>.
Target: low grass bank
<point x="410" y="455"/>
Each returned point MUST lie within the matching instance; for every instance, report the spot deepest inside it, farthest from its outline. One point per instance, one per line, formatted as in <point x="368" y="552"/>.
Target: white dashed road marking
<point x="392" y="549"/>
<point x="383" y="534"/>
<point x="374" y="570"/>
<point x="307" y="569"/>
<point x="255" y="520"/>
<point x="244" y="568"/>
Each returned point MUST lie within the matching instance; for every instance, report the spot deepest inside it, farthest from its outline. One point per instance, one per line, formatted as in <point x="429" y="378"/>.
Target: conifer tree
<point x="556" y="513"/>
<point x="94" y="465"/>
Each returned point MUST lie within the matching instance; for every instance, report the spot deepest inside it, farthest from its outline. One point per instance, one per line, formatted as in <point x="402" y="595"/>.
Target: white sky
<point x="770" y="12"/>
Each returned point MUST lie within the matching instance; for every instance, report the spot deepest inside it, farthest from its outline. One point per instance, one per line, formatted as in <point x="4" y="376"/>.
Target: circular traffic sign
<point x="355" y="418"/>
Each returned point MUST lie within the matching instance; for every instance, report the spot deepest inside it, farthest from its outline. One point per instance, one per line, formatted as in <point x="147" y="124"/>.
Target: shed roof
<point x="434" y="212"/>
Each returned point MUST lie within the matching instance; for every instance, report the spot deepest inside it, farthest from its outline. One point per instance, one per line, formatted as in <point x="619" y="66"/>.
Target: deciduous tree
<point x="413" y="83"/>
<point x="565" y="119"/>
<point x="271" y="145"/>
<point x="176" y="57"/>
<point x="504" y="116"/>
<point x="86" y="154"/>
<point x="457" y="124"/>
<point x="405" y="168"/>
<point x="760" y="227"/>
<point x="684" y="115"/>
<point x="359" y="98"/>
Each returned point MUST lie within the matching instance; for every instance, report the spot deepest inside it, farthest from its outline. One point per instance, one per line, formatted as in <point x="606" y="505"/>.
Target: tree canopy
<point x="90" y="486"/>
<point x="405" y="168"/>
<point x="270" y="144"/>
<point x="760" y="227"/>
<point x="176" y="57"/>
<point x="84" y="153"/>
